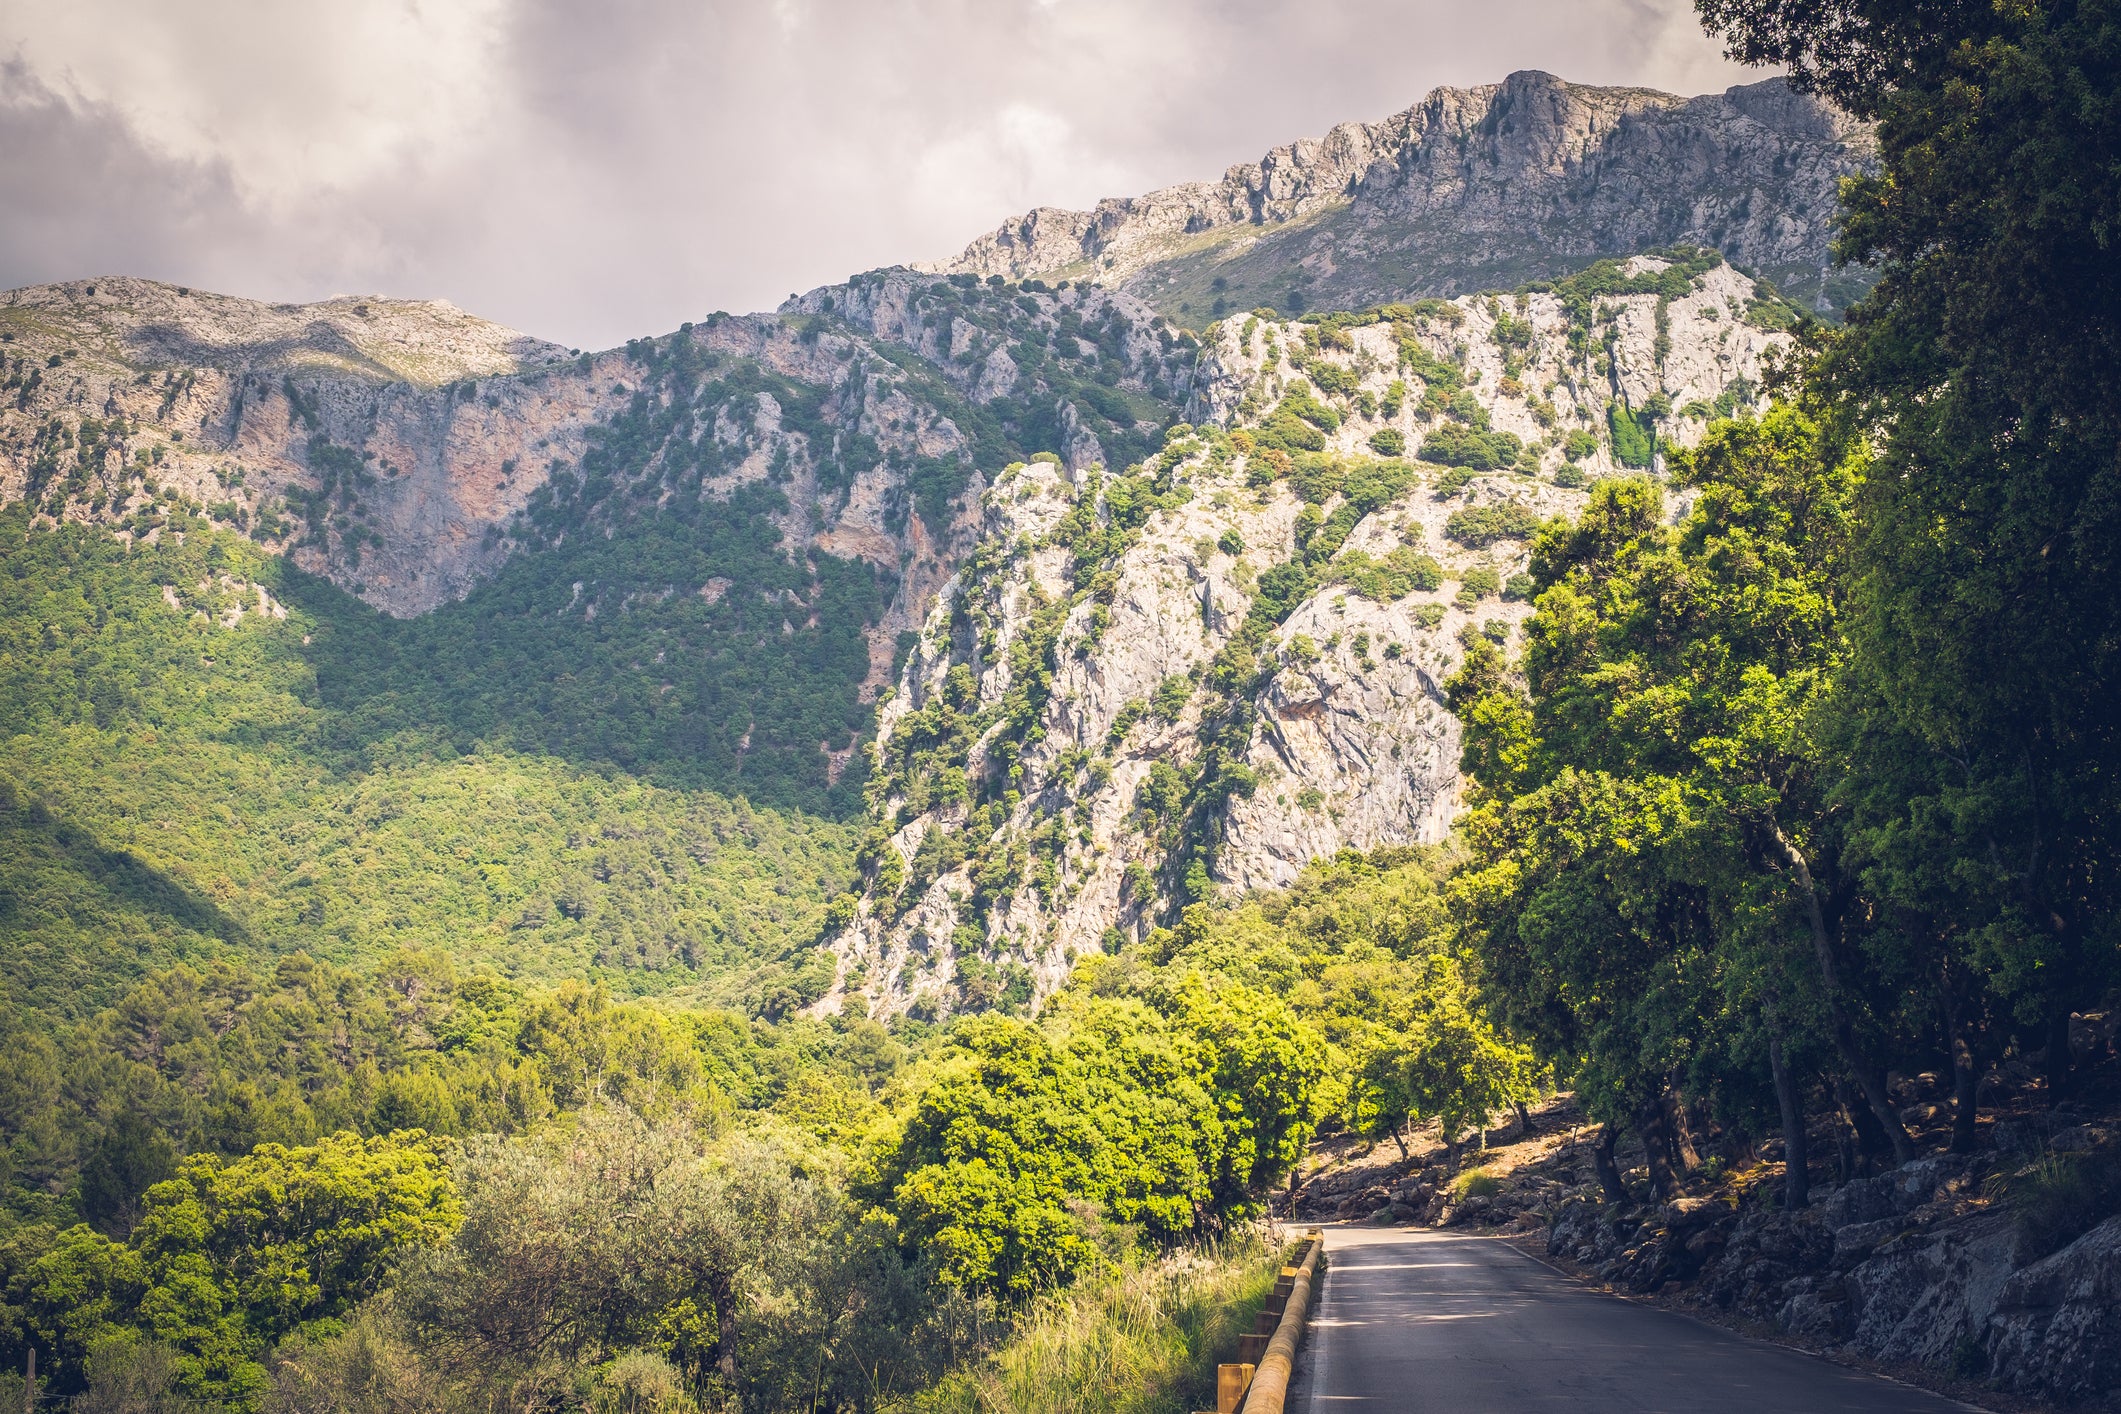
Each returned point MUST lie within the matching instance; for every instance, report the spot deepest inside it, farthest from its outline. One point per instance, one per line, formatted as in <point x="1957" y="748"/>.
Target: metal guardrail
<point x="1259" y="1382"/>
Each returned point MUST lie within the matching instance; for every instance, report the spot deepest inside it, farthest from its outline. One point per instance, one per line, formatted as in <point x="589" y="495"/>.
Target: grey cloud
<point x="635" y="164"/>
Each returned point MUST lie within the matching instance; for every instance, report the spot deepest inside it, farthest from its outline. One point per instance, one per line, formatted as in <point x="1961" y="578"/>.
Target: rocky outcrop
<point x="1470" y="189"/>
<point x="230" y="406"/>
<point x="2054" y="1328"/>
<point x="1905" y="1268"/>
<point x="396" y="447"/>
<point x="1067" y="750"/>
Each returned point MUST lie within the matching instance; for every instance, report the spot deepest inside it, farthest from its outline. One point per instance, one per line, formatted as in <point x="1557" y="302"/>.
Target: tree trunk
<point x="1524" y="1119"/>
<point x="2062" y="981"/>
<point x="2061" y="1078"/>
<point x="1609" y="1180"/>
<point x="723" y="1291"/>
<point x="1656" y="1144"/>
<point x="1796" y="1157"/>
<point x="1874" y="1093"/>
<point x="1966" y="1096"/>
<point x="1966" y="1061"/>
<point x="1401" y="1142"/>
<point x="1679" y="1126"/>
<point x="1870" y="1139"/>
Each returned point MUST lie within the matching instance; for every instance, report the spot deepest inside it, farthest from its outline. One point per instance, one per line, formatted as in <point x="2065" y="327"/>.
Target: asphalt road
<point x="1421" y="1320"/>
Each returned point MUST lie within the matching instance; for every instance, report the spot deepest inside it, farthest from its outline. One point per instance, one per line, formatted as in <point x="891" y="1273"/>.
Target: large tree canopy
<point x="1986" y="599"/>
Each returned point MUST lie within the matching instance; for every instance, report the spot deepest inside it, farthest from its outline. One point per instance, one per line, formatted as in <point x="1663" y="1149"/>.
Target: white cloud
<point x="593" y="172"/>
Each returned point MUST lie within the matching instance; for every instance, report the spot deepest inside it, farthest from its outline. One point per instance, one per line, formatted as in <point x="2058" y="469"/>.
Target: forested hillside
<point x="183" y="782"/>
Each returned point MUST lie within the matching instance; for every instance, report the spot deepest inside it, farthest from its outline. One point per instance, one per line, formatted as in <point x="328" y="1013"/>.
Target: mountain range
<point x="703" y="559"/>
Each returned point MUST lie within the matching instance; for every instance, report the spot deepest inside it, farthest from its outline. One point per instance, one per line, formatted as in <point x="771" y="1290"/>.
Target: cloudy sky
<point x="588" y="172"/>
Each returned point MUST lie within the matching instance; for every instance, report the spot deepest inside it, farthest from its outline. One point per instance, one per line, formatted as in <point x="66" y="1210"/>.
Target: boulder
<point x="1919" y="1296"/>
<point x="2055" y="1327"/>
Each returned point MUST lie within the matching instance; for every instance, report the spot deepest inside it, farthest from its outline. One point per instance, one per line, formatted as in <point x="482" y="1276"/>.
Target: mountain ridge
<point x="1487" y="187"/>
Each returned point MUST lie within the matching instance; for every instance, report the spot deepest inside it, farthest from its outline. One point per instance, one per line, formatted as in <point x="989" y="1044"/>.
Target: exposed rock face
<point x="1907" y="1267"/>
<point x="395" y="447"/>
<point x="2054" y="1327"/>
<point x="1470" y="189"/>
<point x="1072" y="744"/>
<point x="226" y="398"/>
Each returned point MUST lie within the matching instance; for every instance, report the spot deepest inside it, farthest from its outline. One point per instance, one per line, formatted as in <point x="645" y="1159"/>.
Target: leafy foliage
<point x="1455" y="445"/>
<point x="1497" y="520"/>
<point x="174" y="786"/>
<point x="229" y="1258"/>
<point x="1169" y="1110"/>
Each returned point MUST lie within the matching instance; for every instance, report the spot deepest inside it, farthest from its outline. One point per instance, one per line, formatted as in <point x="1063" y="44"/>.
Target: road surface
<point x="1421" y="1320"/>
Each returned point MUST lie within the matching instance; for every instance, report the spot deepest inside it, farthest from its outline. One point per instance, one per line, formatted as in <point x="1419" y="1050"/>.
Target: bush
<point x="1634" y="435"/>
<point x="1484" y="525"/>
<point x="1486" y="583"/>
<point x="1397" y="575"/>
<point x="1475" y="1183"/>
<point x="1170" y="697"/>
<point x="1579" y="445"/>
<point x="1452" y="482"/>
<point x="1570" y="477"/>
<point x="1143" y="1339"/>
<point x="1299" y="403"/>
<point x="1455" y="445"/>
<point x="1388" y="442"/>
<point x="2061" y="1197"/>
<point x="1284" y="432"/>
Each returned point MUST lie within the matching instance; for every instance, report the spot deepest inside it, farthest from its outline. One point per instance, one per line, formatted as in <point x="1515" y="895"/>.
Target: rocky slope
<point x="406" y="450"/>
<point x="1229" y="660"/>
<point x="1470" y="189"/>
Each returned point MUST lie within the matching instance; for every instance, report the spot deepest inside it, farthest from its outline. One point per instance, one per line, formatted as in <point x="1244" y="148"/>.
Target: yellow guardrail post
<point x="1267" y="1357"/>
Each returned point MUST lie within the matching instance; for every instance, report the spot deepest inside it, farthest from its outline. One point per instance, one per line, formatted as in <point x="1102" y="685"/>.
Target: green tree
<point x="228" y="1258"/>
<point x="1662" y="791"/>
<point x="1988" y="607"/>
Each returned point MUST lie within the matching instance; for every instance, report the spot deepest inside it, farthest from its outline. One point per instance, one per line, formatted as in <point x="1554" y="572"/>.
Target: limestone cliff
<point x="1225" y="662"/>
<point x="405" y="450"/>
<point x="1470" y="189"/>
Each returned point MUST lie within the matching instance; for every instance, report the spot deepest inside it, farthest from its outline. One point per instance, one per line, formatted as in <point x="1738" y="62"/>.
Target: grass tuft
<point x="1144" y="1339"/>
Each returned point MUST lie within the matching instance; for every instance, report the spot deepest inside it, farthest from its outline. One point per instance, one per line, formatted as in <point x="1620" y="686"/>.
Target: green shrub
<point x="1170" y="697"/>
<point x="1634" y="435"/>
<point x="1475" y="1183"/>
<point x="1579" y="445"/>
<point x="1400" y="573"/>
<point x="1454" y="444"/>
<point x="1477" y="526"/>
<point x="1452" y="482"/>
<point x="2060" y="1197"/>
<point x="1571" y="477"/>
<point x="1485" y="582"/>
<point x="1284" y="432"/>
<point x="1388" y="442"/>
<point x="1298" y="402"/>
<point x="1139" y="1339"/>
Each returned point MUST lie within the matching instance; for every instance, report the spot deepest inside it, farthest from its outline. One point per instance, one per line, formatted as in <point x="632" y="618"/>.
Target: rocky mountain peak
<point x="1486" y="187"/>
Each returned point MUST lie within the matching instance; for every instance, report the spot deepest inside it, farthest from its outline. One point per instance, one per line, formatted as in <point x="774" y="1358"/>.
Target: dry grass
<point x="1145" y="1339"/>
